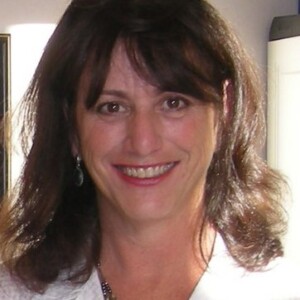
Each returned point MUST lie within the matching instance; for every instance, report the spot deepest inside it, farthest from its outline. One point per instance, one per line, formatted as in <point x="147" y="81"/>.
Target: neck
<point x="155" y="253"/>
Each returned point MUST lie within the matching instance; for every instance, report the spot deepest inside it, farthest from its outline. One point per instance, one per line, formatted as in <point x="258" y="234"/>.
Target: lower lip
<point x="145" y="181"/>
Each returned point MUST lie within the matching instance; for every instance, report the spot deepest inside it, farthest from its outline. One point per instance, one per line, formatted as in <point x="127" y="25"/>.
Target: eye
<point x="174" y="103"/>
<point x="110" y="108"/>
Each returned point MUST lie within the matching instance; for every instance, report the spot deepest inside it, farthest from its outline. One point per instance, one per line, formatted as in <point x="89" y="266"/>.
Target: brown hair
<point x="178" y="45"/>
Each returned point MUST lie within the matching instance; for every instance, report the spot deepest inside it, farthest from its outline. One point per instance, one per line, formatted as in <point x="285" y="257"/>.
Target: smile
<point x="146" y="172"/>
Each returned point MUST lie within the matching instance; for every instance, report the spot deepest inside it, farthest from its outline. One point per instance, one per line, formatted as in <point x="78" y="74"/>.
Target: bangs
<point x="176" y="64"/>
<point x="165" y="52"/>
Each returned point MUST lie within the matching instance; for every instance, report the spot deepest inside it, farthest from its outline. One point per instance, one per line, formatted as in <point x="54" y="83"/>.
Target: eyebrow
<point x="123" y="94"/>
<point x="117" y="93"/>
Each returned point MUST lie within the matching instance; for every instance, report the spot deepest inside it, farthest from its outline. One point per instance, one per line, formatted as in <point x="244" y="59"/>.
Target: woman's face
<point x="146" y="150"/>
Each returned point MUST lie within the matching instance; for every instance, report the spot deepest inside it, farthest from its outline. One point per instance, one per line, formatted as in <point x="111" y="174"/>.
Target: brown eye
<point x="110" y="108"/>
<point x="174" y="103"/>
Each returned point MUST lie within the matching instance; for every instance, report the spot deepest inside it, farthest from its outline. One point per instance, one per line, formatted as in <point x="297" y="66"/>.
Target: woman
<point x="143" y="173"/>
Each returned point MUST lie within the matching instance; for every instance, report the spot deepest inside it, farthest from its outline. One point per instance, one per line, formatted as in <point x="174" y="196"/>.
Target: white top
<point x="223" y="280"/>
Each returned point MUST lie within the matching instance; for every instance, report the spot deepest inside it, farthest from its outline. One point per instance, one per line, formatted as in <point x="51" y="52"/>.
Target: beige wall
<point x="30" y="11"/>
<point x="252" y="21"/>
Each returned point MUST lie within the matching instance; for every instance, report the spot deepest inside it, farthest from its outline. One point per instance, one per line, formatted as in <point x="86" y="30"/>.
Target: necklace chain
<point x="106" y="289"/>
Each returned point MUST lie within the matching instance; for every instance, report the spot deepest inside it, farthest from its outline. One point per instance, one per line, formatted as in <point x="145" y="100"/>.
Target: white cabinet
<point x="283" y="144"/>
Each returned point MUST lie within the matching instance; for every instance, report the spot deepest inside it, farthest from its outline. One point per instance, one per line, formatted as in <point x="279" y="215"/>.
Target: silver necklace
<point x="106" y="289"/>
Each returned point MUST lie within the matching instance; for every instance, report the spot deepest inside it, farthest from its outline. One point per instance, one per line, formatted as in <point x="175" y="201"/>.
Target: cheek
<point x="98" y="139"/>
<point x="195" y="133"/>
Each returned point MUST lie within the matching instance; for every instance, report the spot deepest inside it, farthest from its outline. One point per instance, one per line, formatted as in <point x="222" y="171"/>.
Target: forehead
<point x="121" y="72"/>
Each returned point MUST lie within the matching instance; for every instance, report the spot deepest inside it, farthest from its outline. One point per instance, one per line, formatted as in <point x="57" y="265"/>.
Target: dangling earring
<point x="79" y="177"/>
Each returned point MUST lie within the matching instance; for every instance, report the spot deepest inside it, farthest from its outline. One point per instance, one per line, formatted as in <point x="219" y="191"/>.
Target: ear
<point x="226" y="111"/>
<point x="228" y="98"/>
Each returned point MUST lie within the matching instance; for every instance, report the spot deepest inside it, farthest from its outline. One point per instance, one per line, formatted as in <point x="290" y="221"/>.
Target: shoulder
<point x="11" y="288"/>
<point x="62" y="290"/>
<point x="225" y="280"/>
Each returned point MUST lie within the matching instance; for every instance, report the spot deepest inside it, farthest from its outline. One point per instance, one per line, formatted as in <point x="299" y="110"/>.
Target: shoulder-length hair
<point x="177" y="45"/>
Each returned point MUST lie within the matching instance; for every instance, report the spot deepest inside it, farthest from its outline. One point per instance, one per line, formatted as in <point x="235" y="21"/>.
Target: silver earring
<point x="79" y="177"/>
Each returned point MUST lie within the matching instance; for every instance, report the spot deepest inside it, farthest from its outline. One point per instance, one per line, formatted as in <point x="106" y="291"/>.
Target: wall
<point x="252" y="21"/>
<point x="30" y="11"/>
<point x="30" y="23"/>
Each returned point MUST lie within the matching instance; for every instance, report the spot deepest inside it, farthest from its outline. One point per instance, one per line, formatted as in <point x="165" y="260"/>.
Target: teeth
<point x="149" y="172"/>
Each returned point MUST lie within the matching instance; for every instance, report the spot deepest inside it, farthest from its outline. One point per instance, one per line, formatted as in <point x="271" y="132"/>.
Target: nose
<point x="144" y="133"/>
